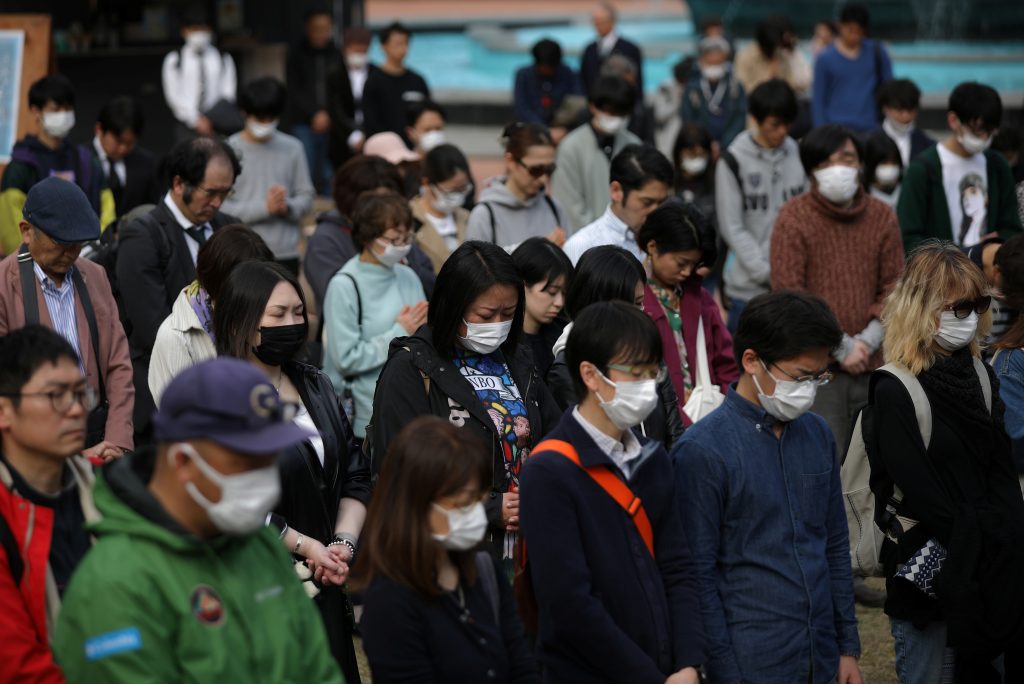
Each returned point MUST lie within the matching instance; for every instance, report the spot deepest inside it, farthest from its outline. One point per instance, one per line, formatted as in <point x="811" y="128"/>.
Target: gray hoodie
<point x="513" y="220"/>
<point x="745" y="218"/>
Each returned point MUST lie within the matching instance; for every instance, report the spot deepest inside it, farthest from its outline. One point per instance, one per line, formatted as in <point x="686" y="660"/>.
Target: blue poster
<point x="11" y="46"/>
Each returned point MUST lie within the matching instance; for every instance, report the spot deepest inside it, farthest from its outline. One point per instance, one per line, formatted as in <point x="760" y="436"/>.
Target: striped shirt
<point x="60" y="302"/>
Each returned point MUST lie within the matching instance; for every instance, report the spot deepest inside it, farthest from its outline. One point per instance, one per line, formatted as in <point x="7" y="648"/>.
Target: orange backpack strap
<point x="611" y="484"/>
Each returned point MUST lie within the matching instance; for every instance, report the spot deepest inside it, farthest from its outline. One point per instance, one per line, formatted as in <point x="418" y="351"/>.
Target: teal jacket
<point x="922" y="208"/>
<point x="151" y="603"/>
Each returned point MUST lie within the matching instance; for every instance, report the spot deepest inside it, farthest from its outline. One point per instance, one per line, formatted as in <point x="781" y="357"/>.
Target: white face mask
<point x="972" y="143"/>
<point x="199" y="40"/>
<point x="448" y="201"/>
<point x="466" y="527"/>
<point x="838" y="183"/>
<point x="791" y="399"/>
<point x="887" y="174"/>
<point x="895" y="127"/>
<point x="713" y="72"/>
<point x="392" y="253"/>
<point x="956" y="333"/>
<point x="260" y="130"/>
<point x="695" y="165"/>
<point x="484" y="338"/>
<point x="610" y="124"/>
<point x="632" y="403"/>
<point x="245" y="498"/>
<point x="432" y="139"/>
<point x="58" y="124"/>
<point x="357" y="60"/>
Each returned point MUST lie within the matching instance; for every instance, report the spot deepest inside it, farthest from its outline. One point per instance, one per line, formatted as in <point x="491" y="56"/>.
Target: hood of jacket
<point x="752" y="157"/>
<point x="128" y="507"/>
<point x="333" y="217"/>
<point x="497" y="193"/>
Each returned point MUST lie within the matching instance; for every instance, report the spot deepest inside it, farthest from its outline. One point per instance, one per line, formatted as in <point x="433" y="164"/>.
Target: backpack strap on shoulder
<point x="986" y="383"/>
<point x="611" y="484"/>
<point x="494" y="228"/>
<point x="922" y="409"/>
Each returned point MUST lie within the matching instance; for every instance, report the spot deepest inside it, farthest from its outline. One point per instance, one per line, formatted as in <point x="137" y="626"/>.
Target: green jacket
<point x="150" y="603"/>
<point x="922" y="208"/>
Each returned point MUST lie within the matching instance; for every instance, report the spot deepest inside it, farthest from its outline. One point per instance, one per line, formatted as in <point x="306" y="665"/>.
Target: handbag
<point x="705" y="397"/>
<point x="923" y="567"/>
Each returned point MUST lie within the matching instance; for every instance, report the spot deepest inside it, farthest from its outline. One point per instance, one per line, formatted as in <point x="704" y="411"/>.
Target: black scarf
<point x="953" y="381"/>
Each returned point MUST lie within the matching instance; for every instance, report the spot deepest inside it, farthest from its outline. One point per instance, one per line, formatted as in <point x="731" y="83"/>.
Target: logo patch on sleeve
<point x="112" y="643"/>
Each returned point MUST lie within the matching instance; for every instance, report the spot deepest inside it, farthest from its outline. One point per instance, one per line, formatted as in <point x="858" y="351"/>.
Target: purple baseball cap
<point x="230" y="402"/>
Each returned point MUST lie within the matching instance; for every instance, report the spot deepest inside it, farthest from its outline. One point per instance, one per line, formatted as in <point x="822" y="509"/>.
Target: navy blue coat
<point x="590" y="64"/>
<point x="608" y="611"/>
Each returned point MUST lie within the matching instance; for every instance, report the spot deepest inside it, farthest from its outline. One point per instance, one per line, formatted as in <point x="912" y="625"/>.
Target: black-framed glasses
<point x="538" y="170"/>
<point x="819" y="379"/>
<point x="964" y="308"/>
<point x="63" y="400"/>
<point x="397" y="241"/>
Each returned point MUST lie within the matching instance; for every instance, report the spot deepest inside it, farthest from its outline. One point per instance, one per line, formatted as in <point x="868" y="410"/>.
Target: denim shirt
<point x="768" y="534"/>
<point x="1009" y="367"/>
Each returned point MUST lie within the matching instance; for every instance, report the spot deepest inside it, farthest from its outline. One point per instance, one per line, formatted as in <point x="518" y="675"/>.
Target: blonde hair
<point x="937" y="273"/>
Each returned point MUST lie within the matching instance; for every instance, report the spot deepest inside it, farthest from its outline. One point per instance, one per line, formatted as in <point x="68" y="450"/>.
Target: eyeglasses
<point x="63" y="400"/>
<point x="963" y="309"/>
<point x="222" y="194"/>
<point x="819" y="379"/>
<point x="397" y="241"/>
<point x="640" y="372"/>
<point x="539" y="170"/>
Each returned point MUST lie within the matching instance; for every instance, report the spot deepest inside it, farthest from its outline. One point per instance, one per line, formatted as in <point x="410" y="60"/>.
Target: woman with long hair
<point x="547" y="274"/>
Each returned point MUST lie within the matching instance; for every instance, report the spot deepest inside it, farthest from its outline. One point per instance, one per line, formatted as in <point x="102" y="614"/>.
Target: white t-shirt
<point x="446" y="228"/>
<point x="965" y="182"/>
<point x="304" y="420"/>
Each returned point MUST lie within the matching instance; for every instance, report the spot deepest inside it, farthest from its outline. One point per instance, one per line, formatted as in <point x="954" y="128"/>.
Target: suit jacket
<point x="141" y="182"/>
<point x="590" y="65"/>
<point x="115" y="362"/>
<point x="342" y="108"/>
<point x="153" y="265"/>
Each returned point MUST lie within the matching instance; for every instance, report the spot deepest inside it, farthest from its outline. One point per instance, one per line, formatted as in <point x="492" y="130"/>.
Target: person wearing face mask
<point x="608" y="274"/>
<point x="185" y="580"/>
<point x="957" y="489"/>
<point x="372" y="300"/>
<point x="51" y="102"/>
<point x="615" y="589"/>
<point x="324" y="481"/>
<point x="468" y="367"/>
<point x="275" y="192"/>
<point x="883" y="168"/>
<point x="839" y="243"/>
<point x="641" y="179"/>
<point x="694" y="169"/>
<point x="547" y="274"/>
<point x="714" y="97"/>
<point x="439" y="216"/>
<point x="345" y="96"/>
<point x="900" y="100"/>
<point x="435" y="607"/>
<point x="516" y="206"/>
<point x="200" y="81"/>
<point x="677" y="240"/>
<point x="585" y="155"/>
<point x="425" y="131"/>
<point x="758" y="490"/>
<point x="931" y="201"/>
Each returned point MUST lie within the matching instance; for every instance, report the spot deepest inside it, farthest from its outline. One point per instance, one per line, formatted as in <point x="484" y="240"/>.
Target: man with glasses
<point x="959" y="189"/>
<point x="157" y="252"/>
<point x="761" y="502"/>
<point x="48" y="283"/>
<point x="44" y="492"/>
<point x="186" y="582"/>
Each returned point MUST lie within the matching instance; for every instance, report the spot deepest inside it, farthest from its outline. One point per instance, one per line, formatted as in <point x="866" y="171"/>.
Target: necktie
<point x="116" y="188"/>
<point x="197" y="233"/>
<point x="202" y="81"/>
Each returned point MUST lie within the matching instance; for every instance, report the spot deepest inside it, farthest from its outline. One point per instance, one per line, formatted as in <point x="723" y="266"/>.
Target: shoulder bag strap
<point x="10" y="546"/>
<point x="922" y="409"/>
<point x="554" y="210"/>
<point x="90" y="317"/>
<point x="28" y="286"/>
<point x="359" y="299"/>
<point x="986" y="384"/>
<point x="494" y="228"/>
<point x="703" y="370"/>
<point x="611" y="484"/>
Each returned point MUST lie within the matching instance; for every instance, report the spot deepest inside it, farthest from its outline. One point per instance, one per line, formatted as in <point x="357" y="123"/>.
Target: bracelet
<point x="298" y="543"/>
<point x="338" y="541"/>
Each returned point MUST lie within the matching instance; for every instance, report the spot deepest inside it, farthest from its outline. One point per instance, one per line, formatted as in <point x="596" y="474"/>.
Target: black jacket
<point x="342" y="107"/>
<point x="663" y="425"/>
<point x="590" y="65"/>
<point x="153" y="265"/>
<point x="416" y="380"/>
<point x="308" y="70"/>
<point x="141" y="185"/>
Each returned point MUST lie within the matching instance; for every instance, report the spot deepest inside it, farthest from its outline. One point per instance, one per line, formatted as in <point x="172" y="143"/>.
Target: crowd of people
<point x="587" y="421"/>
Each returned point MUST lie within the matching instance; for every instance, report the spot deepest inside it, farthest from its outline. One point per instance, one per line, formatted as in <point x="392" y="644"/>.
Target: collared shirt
<point x="119" y="167"/>
<point x="60" y="302"/>
<point x="193" y="245"/>
<point x="623" y="454"/>
<point x="607" y="230"/>
<point x="607" y="44"/>
<point x="190" y="92"/>
<point x="765" y="520"/>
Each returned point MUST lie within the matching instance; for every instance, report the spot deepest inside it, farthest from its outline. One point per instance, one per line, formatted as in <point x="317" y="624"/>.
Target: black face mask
<point x="280" y="343"/>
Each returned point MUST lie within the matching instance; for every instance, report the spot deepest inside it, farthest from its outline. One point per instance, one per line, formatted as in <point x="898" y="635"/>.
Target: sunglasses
<point x="963" y="309"/>
<point x="539" y="170"/>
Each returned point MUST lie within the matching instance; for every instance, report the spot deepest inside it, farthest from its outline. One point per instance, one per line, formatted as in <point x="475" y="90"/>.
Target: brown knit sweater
<point x="849" y="257"/>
